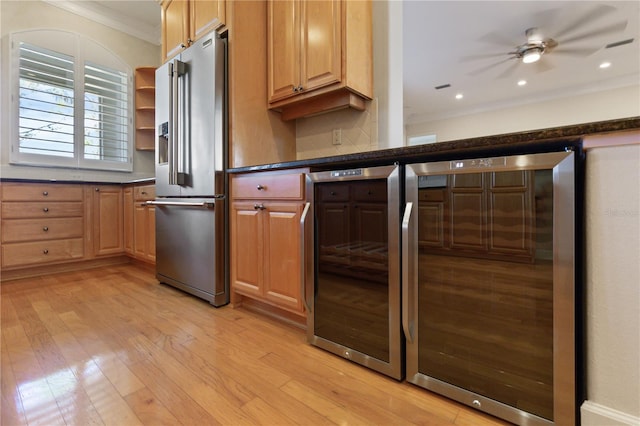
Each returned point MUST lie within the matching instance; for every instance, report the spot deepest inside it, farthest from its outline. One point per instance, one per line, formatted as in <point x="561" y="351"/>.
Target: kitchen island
<point x="504" y="144"/>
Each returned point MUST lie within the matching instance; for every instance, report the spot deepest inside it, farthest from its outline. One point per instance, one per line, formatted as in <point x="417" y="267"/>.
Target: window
<point x="421" y="139"/>
<point x="71" y="103"/>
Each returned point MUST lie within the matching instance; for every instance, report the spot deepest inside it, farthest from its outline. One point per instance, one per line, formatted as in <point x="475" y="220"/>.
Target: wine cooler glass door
<point x="490" y="293"/>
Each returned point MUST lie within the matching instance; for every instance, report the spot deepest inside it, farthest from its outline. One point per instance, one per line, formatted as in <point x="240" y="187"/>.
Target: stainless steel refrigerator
<point x="190" y="159"/>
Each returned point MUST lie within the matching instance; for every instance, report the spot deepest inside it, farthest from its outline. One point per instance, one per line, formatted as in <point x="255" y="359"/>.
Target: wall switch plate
<point x="337" y="136"/>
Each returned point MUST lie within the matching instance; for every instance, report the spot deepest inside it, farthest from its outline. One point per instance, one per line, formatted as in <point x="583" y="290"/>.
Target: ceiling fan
<point x="537" y="44"/>
<point x="534" y="48"/>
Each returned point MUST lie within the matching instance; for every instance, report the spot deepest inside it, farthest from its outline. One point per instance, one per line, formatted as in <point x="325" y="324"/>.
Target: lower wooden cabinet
<point x="145" y="232"/>
<point x="47" y="225"/>
<point x="41" y="224"/>
<point x="140" y="222"/>
<point x="128" y="206"/>
<point x="266" y="252"/>
<point x="107" y="219"/>
<point x="265" y="239"/>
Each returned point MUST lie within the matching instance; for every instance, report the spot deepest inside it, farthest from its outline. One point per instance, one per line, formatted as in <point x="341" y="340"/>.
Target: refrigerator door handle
<point x="171" y="134"/>
<point x="407" y="273"/>
<point x="176" y="69"/>
<point x="203" y="204"/>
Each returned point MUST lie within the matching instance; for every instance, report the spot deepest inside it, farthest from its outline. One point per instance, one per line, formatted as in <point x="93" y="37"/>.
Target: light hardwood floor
<point x="113" y="346"/>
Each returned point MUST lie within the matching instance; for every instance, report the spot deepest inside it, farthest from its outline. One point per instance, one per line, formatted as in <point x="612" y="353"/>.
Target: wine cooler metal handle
<point x="407" y="272"/>
<point x="303" y="257"/>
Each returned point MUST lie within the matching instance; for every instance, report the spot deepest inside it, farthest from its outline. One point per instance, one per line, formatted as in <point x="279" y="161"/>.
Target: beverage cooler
<point x="352" y="282"/>
<point x="489" y="284"/>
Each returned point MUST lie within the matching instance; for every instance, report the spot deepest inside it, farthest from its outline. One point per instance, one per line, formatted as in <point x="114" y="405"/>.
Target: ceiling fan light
<point x="531" y="55"/>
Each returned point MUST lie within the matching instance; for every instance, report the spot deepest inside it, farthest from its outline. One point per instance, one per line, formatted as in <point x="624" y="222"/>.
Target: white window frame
<point x="83" y="50"/>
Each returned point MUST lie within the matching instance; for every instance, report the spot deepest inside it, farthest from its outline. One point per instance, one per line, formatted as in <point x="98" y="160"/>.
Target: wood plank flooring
<point x="112" y="346"/>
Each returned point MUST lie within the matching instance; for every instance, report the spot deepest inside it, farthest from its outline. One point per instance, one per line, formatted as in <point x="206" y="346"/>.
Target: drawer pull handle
<point x="45" y="251"/>
<point x="260" y="187"/>
<point x="45" y="228"/>
<point x="46" y="209"/>
<point x="259" y="206"/>
<point x="45" y="193"/>
<point x="97" y="189"/>
<point x="333" y="192"/>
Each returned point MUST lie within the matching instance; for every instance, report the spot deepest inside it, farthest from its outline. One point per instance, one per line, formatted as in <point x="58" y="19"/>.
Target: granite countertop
<point x="79" y="181"/>
<point x="505" y="144"/>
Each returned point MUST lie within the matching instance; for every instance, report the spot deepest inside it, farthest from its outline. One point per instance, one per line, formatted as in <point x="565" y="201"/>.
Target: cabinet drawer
<point x="289" y="186"/>
<point x="20" y="254"/>
<point x="15" y="230"/>
<point x="18" y="210"/>
<point x="144" y="193"/>
<point x="38" y="192"/>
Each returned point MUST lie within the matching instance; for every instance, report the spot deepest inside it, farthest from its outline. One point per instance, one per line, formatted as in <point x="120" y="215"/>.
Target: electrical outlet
<point x="337" y="136"/>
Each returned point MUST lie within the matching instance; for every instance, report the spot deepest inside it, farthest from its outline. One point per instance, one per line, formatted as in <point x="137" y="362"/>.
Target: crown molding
<point x="109" y="17"/>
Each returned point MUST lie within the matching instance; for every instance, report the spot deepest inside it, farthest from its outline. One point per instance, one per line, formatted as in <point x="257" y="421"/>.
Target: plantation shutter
<point x="105" y="114"/>
<point x="71" y="103"/>
<point x="46" y="99"/>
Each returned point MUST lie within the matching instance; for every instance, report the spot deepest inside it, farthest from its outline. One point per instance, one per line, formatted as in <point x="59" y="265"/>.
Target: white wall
<point x="598" y="106"/>
<point x="613" y="286"/>
<point x="22" y="15"/>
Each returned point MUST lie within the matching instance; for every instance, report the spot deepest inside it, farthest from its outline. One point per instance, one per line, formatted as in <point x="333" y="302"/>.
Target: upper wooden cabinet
<point x="320" y="56"/>
<point x="185" y="21"/>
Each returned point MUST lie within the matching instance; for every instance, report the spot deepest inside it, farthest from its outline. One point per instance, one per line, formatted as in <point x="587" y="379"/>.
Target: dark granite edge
<point x="80" y="182"/>
<point x="513" y="142"/>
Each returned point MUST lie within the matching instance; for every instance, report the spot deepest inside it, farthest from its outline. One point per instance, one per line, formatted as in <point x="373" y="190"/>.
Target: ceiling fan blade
<point x="609" y="29"/>
<point x="509" y="71"/>
<point x="488" y="67"/>
<point x="498" y="39"/>
<point x="470" y="58"/>
<point x="575" y="51"/>
<point x="543" y="65"/>
<point x="586" y="18"/>
<point x="542" y="19"/>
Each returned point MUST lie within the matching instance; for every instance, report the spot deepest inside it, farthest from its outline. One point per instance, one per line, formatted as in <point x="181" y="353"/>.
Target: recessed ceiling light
<point x="522" y="82"/>
<point x="605" y="65"/>
<point x="459" y="96"/>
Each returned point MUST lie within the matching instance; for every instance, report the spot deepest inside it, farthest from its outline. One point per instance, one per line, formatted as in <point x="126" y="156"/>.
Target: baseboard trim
<point x="259" y="307"/>
<point x="593" y="414"/>
<point x="40" y="270"/>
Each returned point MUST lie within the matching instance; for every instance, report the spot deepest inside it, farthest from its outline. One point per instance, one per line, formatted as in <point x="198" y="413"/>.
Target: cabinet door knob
<point x="259" y="187"/>
<point x="45" y="228"/>
<point x="259" y="206"/>
<point x="45" y="193"/>
<point x="333" y="192"/>
<point x="45" y="209"/>
<point x="45" y="251"/>
<point x="97" y="189"/>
